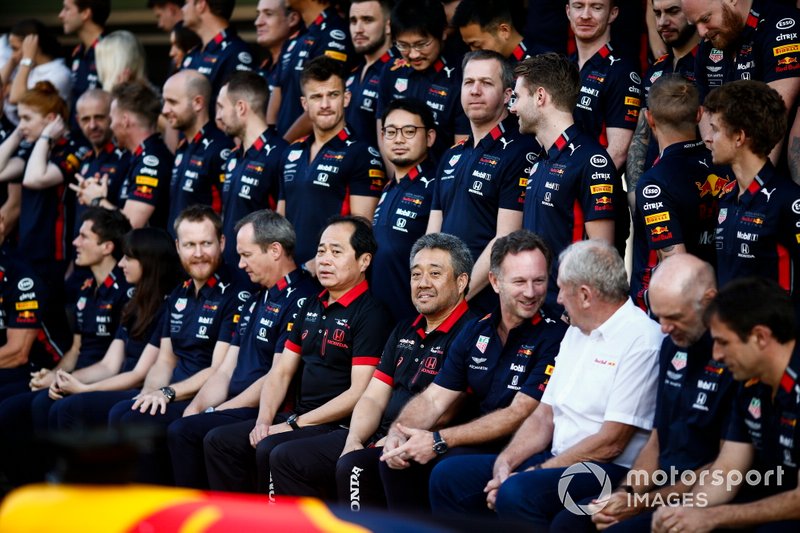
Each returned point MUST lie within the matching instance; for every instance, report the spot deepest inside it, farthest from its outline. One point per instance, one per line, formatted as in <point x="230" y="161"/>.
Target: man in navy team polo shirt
<point x="325" y="35"/>
<point x="677" y="199"/>
<point x="201" y="321"/>
<point x="405" y="205"/>
<point x="143" y="193"/>
<point x="754" y="330"/>
<point x="491" y="25"/>
<point x="265" y="242"/>
<point x="693" y="400"/>
<point x="202" y="153"/>
<point x="759" y="214"/>
<point x="333" y="348"/>
<point x="276" y="25"/>
<point x="503" y="361"/>
<point x="329" y="172"/>
<point x="223" y="51"/>
<point x="411" y="359"/>
<point x="252" y="172"/>
<point x="573" y="192"/>
<point x="369" y="30"/>
<point x="480" y="182"/>
<point x="611" y="90"/>
<point x="423" y="72"/>
<point x="682" y="42"/>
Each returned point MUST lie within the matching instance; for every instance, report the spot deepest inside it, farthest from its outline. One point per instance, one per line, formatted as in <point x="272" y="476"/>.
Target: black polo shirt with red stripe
<point x="400" y="219"/>
<point x="493" y="371"/>
<point x="412" y="358"/>
<point x="361" y="114"/>
<point x="610" y="94"/>
<point x="148" y="179"/>
<point x="758" y="233"/>
<point x="315" y="190"/>
<point x="110" y="161"/>
<point x="97" y="313"/>
<point x="199" y="172"/>
<point x="224" y="55"/>
<point x="575" y="183"/>
<point x="525" y="49"/>
<point x="251" y="183"/>
<point x="333" y="338"/>
<point x="439" y="87"/>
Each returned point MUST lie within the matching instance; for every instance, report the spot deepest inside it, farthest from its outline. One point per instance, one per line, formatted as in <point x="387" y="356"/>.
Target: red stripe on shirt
<point x="784" y="268"/>
<point x="289" y="345"/>
<point x="382" y="376"/>
<point x="366" y="361"/>
<point x="577" y="222"/>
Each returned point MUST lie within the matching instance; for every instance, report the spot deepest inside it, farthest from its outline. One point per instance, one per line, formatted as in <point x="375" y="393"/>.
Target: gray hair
<point x="460" y="256"/>
<point x="269" y="227"/>
<point x="596" y="264"/>
<point x="506" y="70"/>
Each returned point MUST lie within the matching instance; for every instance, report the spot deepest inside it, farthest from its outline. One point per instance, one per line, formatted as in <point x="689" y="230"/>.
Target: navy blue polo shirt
<point x="23" y="300"/>
<point x="266" y="321"/>
<point x="328" y="35"/>
<point x="198" y="320"/>
<point x="575" y="183"/>
<point x="97" y="313"/>
<point x="44" y="213"/>
<point x="767" y="49"/>
<point x="676" y="203"/>
<point x="758" y="234"/>
<point x="83" y="75"/>
<point x="364" y="86"/>
<point x="525" y="49"/>
<point x="251" y="183"/>
<point x="610" y="94"/>
<point x="412" y="358"/>
<point x="333" y="338"/>
<point x="770" y="425"/>
<point x="693" y="404"/>
<point x="134" y="346"/>
<point x="111" y="161"/>
<point x="315" y="190"/>
<point x="439" y="87"/>
<point x="400" y="219"/>
<point x="199" y="172"/>
<point x="479" y="362"/>
<point x="147" y="180"/>
<point x="221" y="57"/>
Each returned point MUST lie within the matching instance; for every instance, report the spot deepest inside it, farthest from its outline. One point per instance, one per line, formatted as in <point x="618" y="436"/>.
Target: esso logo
<point x="598" y="161"/>
<point x="785" y="24"/>
<point x="651" y="191"/>
<point x="796" y="207"/>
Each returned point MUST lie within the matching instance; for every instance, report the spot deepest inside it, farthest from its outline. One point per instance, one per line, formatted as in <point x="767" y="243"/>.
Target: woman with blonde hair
<point x="120" y="58"/>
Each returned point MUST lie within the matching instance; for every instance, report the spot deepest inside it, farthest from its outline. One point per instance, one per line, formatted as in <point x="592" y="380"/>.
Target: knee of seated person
<point x="512" y="496"/>
<point x="282" y="456"/>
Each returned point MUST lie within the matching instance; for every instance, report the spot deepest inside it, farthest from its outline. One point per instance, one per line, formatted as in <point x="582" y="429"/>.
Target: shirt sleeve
<point x="367" y="177"/>
<point x="623" y="99"/>
<point x="150" y="180"/>
<point x="597" y="193"/>
<point x="515" y="179"/>
<point x="369" y="338"/>
<point x="388" y="363"/>
<point x="780" y="47"/>
<point x="657" y="210"/>
<point x="737" y="429"/>
<point x="24" y="303"/>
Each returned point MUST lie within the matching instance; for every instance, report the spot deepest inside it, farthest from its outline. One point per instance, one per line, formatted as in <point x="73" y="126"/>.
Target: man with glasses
<point x="481" y="182"/>
<point x="423" y="72"/>
<point x="329" y="172"/>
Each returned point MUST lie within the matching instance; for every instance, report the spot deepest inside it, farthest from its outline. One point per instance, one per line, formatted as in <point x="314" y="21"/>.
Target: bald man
<point x="693" y="402"/>
<point x="198" y="173"/>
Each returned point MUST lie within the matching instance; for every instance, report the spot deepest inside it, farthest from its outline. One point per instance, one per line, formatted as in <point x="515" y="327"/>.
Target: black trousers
<point x="358" y="482"/>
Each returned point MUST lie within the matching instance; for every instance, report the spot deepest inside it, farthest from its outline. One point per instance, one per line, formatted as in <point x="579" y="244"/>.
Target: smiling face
<point x="419" y="50"/>
<point x="177" y="107"/>
<point x="525" y="108"/>
<point x="521" y="284"/>
<point x="199" y="249"/>
<point x="272" y="24"/>
<point x="590" y="19"/>
<point x="715" y="20"/>
<point x="434" y="285"/>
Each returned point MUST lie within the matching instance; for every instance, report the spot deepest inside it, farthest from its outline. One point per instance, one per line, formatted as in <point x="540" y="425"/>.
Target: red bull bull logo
<point x="715" y="185"/>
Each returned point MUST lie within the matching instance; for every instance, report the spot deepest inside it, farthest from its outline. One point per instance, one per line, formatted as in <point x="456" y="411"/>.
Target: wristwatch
<point x="292" y="421"/>
<point x="26" y="62"/>
<point x="168" y="392"/>
<point x="439" y="445"/>
<point x="97" y="201"/>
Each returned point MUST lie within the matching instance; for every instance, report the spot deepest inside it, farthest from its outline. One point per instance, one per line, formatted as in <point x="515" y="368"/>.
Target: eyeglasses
<point x="419" y="47"/>
<point x="408" y="132"/>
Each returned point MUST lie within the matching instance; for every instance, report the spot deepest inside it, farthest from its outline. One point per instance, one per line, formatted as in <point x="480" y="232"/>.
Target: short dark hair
<point x="413" y="106"/>
<point x="322" y="68"/>
<point x="161" y="3"/>
<point x="506" y="70"/>
<point x="386" y="5"/>
<point x="269" y="227"/>
<point x="138" y="98"/>
<point x="460" y="256"/>
<point x="488" y="14"/>
<point x="558" y="75"/>
<point x="221" y="8"/>
<point x="48" y="43"/>
<point x="425" y="17"/>
<point x="745" y="303"/>
<point x="362" y="240"/>
<point x="199" y="213"/>
<point x="752" y="107"/>
<point x="673" y="101"/>
<point x="109" y="225"/>
<point x="101" y="9"/>
<point x="185" y="39"/>
<point x="250" y="87"/>
<point x="515" y="242"/>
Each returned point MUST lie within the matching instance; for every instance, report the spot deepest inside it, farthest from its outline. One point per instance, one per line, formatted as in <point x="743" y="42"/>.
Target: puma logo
<point x="206" y="143"/>
<point x="448" y="71"/>
<point x="768" y="194"/>
<point x="572" y="148"/>
<point x="268" y="148"/>
<point x="613" y="60"/>
<point x="703" y="162"/>
<point x="425" y="181"/>
<point x="505" y="142"/>
<point x="222" y="287"/>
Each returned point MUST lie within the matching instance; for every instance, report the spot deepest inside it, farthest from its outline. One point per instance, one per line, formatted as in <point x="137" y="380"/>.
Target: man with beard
<point x="199" y="169"/>
<point x="369" y="30"/>
<point x="749" y="40"/>
<point x="682" y="40"/>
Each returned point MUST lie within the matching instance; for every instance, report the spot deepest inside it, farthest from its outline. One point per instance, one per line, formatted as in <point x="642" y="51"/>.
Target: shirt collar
<point x="347" y="298"/>
<point x="445" y="327"/>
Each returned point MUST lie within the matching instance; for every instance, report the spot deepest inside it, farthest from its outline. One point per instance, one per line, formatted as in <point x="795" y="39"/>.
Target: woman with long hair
<point x="120" y="58"/>
<point x="151" y="264"/>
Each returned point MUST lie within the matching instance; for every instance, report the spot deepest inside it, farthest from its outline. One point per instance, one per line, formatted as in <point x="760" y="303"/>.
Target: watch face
<point x="440" y="447"/>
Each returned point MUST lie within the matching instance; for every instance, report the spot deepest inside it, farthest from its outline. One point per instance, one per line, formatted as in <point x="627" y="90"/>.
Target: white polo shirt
<point x="608" y="375"/>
